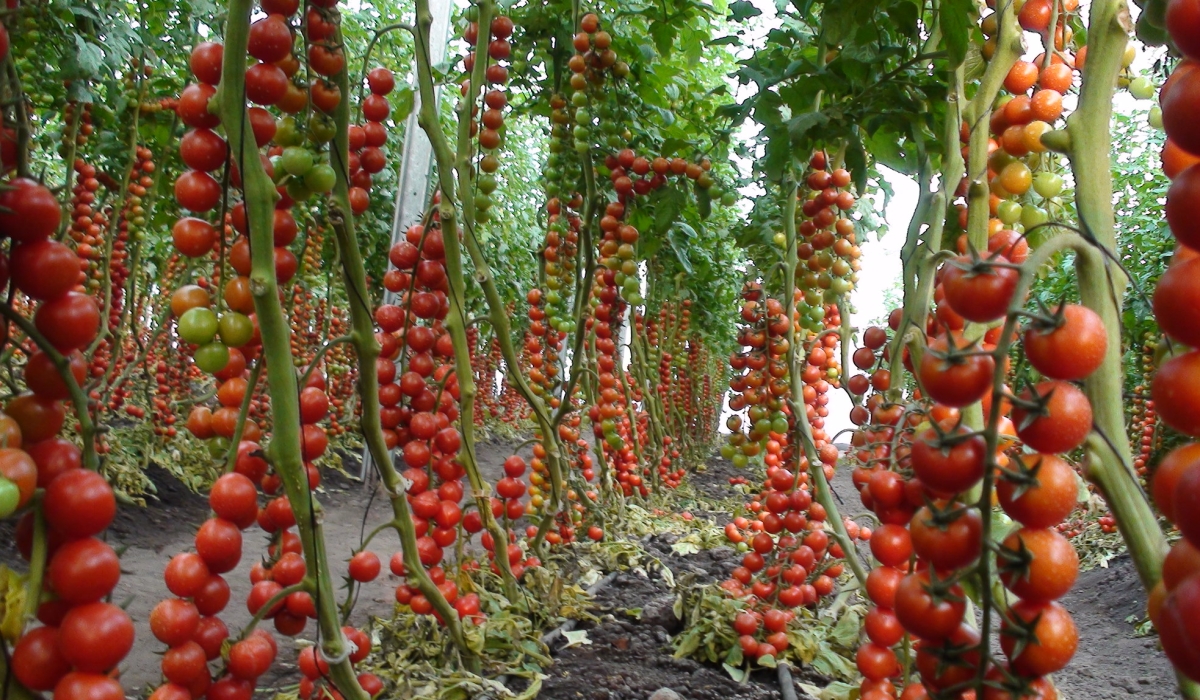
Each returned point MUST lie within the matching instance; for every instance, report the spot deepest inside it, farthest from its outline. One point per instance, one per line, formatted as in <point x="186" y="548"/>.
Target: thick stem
<point x="284" y="451"/>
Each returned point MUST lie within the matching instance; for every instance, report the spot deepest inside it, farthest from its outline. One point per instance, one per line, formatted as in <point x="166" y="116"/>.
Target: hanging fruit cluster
<point x="1175" y="601"/>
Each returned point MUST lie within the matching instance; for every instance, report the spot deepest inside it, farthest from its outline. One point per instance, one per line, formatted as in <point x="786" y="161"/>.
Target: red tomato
<point x="95" y="637"/>
<point x="1061" y="422"/>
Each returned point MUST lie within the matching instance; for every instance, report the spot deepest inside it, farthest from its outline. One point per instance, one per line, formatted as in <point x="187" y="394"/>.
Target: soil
<point x="630" y="655"/>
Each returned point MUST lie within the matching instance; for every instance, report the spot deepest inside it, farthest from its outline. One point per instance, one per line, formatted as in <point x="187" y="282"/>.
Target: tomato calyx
<point x="1046" y="320"/>
<point x="1024" y="476"/>
<point x="1035" y="406"/>
<point x="1022" y="631"/>
<point x="947" y="436"/>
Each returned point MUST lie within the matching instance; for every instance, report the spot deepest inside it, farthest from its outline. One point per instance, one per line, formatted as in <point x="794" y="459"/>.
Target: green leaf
<point x="664" y="37"/>
<point x="403" y="103"/>
<point x="89" y="56"/>
<point x="799" y="125"/>
<point x="743" y="10"/>
<point x="956" y="28"/>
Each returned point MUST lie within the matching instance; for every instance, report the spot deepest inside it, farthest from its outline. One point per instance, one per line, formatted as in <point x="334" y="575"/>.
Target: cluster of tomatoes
<point x="189" y="624"/>
<point x="1175" y="601"/>
<point x="419" y="395"/>
<point x="80" y="639"/>
<point x="366" y="141"/>
<point x="1020" y="198"/>
<point x="489" y="129"/>
<point x="826" y="244"/>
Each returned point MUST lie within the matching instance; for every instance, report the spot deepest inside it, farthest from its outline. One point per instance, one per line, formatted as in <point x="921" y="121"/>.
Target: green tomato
<point x="320" y="179"/>
<point x="296" y="160"/>
<point x="287" y="133"/>
<point x="482" y="202"/>
<point x="1155" y="117"/>
<point x="10" y="497"/>
<point x="779" y="425"/>
<point x="198" y="326"/>
<point x="1141" y="88"/>
<point x="321" y="130"/>
<point x="212" y="357"/>
<point x="1032" y="216"/>
<point x="297" y="191"/>
<point x="740" y="460"/>
<point x="218" y="447"/>
<point x="236" y="329"/>
<point x="729" y="199"/>
<point x="780" y="240"/>
<point x="1047" y="185"/>
<point x="1009" y="211"/>
<point x="635" y="300"/>
<point x="487" y="183"/>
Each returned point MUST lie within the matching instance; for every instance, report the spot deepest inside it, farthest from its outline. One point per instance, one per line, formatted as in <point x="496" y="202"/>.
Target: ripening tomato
<point x="1053" y="642"/>
<point x="1038" y="564"/>
<point x="36" y="660"/>
<point x="69" y="322"/>
<point x="1043" y="498"/>
<point x="948" y="540"/>
<point x="953" y="376"/>
<point x="1176" y="392"/>
<point x="1060" y="422"/>
<point x="83" y="571"/>
<point x="95" y="637"/>
<point x="79" y="503"/>
<point x="926" y="611"/>
<point x="29" y="211"/>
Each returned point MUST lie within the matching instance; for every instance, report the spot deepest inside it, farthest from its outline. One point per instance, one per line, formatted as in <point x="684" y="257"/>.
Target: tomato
<point x="946" y="542"/>
<point x="1060" y="423"/>
<point x="1045" y="502"/>
<point x="193" y="106"/>
<point x="1175" y="299"/>
<point x="955" y="377"/>
<point x="950" y="663"/>
<point x="979" y="291"/>
<point x="1038" y="564"/>
<point x="10" y="432"/>
<point x="951" y="464"/>
<point x="381" y="81"/>
<point x="234" y="497"/>
<point x="43" y="379"/>
<point x="78" y="685"/>
<point x="926" y="613"/>
<point x="186" y="574"/>
<point x="95" y="637"/>
<point x="1072" y="347"/>
<point x="19" y="468"/>
<point x="54" y="457"/>
<point x="203" y="149"/>
<point x="270" y="38"/>
<point x="891" y="545"/>
<point x="1021" y="77"/>
<point x="882" y="583"/>
<point x="250" y="658"/>
<point x="1176" y="392"/>
<point x="876" y="662"/>
<point x="364" y="567"/>
<point x="219" y="544"/>
<point x="1187" y="504"/>
<point x="882" y="627"/>
<point x="79" y="503"/>
<point x="44" y="269"/>
<point x="83" y="571"/>
<point x="37" y="418"/>
<point x="36" y="660"/>
<point x="1180" y="564"/>
<point x="29" y="211"/>
<point x="197" y="191"/>
<point x="326" y="60"/>
<point x="231" y="688"/>
<point x="266" y="84"/>
<point x="69" y="322"/>
<point x="185" y="663"/>
<point x="211" y="633"/>
<point x="1180" y="101"/>
<point x="1054" y="637"/>
<point x="205" y="62"/>
<point x="1177" y="627"/>
<point x="174" y="621"/>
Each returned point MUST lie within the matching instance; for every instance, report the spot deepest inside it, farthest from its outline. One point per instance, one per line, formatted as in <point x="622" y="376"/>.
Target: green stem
<point x="284" y="451"/>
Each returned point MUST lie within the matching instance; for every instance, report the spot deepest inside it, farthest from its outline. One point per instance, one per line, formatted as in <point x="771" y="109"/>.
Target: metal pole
<point x="412" y="187"/>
